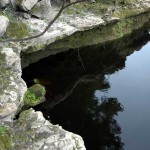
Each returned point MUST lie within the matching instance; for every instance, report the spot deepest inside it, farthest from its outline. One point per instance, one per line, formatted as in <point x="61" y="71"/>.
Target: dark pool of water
<point x="105" y="97"/>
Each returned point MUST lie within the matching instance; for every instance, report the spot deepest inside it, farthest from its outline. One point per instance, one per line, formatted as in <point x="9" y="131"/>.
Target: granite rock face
<point x="3" y="24"/>
<point x="39" y="134"/>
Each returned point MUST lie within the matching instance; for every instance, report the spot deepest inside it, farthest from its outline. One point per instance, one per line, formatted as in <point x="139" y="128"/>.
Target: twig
<point x="48" y="26"/>
<point x="80" y="59"/>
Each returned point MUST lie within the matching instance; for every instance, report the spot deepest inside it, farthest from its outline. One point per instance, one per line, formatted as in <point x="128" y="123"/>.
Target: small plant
<point x="3" y="130"/>
<point x="5" y="138"/>
<point x="31" y="99"/>
<point x="34" y="95"/>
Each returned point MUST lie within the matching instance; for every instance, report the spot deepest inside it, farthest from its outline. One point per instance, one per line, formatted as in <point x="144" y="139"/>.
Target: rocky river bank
<point x="78" y="26"/>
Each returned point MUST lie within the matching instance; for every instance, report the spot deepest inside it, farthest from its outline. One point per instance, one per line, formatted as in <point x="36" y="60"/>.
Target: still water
<point x="131" y="87"/>
<point x="105" y="97"/>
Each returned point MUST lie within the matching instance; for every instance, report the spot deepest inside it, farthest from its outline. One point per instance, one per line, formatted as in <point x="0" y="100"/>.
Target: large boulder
<point x="3" y="24"/>
<point x="32" y="132"/>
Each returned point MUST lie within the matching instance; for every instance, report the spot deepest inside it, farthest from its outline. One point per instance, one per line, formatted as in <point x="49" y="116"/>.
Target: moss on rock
<point x="82" y="8"/>
<point x="17" y="30"/>
<point x="5" y="139"/>
<point x="1" y="13"/>
<point x="34" y="95"/>
<point x="102" y="34"/>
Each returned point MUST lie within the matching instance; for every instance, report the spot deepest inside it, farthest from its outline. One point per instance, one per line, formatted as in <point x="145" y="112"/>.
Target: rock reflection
<point x="60" y="74"/>
<point x="66" y="82"/>
<point x="90" y="117"/>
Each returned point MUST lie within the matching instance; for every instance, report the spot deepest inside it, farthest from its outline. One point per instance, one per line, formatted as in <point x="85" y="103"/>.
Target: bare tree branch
<point x="49" y="24"/>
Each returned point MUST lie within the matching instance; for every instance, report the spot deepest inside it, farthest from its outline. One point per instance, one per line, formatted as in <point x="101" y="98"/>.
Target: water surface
<point x="100" y="92"/>
<point x="131" y="87"/>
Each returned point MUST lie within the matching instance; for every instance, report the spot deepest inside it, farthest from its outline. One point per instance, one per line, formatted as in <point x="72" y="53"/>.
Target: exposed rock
<point x="12" y="87"/>
<point x="32" y="131"/>
<point x="26" y="5"/>
<point x="7" y="109"/>
<point x="11" y="58"/>
<point x="42" y="9"/>
<point x="66" y="25"/>
<point x="26" y="15"/>
<point x="3" y="3"/>
<point x="3" y="24"/>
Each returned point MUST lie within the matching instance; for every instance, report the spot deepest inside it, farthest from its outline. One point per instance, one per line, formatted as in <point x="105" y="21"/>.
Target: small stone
<point x="42" y="9"/>
<point x="26" y="5"/>
<point x="3" y="3"/>
<point x="3" y="25"/>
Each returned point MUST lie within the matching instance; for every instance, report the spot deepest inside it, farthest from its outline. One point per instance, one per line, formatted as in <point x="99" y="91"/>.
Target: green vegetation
<point x="34" y="95"/>
<point x="18" y="30"/>
<point x="1" y="13"/>
<point x="9" y="15"/>
<point x="5" y="139"/>
<point x="3" y="130"/>
<point x="124" y="13"/>
<point x="102" y="33"/>
<point x="100" y="7"/>
<point x="123" y="27"/>
<point x="82" y="8"/>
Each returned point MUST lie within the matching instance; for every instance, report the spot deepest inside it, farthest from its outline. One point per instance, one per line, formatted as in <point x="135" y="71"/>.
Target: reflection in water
<point x="90" y="117"/>
<point x="66" y="82"/>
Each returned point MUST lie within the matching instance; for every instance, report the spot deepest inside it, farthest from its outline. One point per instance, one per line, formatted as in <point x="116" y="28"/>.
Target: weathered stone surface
<point x="12" y="87"/>
<point x="32" y="131"/>
<point x="3" y="3"/>
<point x="42" y="9"/>
<point x="11" y="58"/>
<point x="67" y="24"/>
<point x="25" y="4"/>
<point x="7" y="109"/>
<point x="80" y="39"/>
<point x="3" y="24"/>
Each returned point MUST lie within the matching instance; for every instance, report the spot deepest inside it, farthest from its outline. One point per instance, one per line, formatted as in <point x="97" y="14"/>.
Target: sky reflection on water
<point x="116" y="75"/>
<point x="132" y="88"/>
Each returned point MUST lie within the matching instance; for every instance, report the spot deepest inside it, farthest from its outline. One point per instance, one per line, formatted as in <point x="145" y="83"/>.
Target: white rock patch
<point x="3" y="24"/>
<point x="28" y="4"/>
